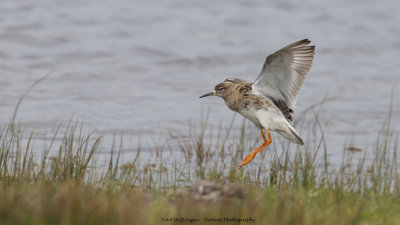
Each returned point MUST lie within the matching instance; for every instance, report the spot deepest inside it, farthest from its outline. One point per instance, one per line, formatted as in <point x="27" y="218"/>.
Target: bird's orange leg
<point x="254" y="153"/>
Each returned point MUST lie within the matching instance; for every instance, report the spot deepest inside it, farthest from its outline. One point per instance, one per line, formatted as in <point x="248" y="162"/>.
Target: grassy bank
<point x="67" y="184"/>
<point x="71" y="203"/>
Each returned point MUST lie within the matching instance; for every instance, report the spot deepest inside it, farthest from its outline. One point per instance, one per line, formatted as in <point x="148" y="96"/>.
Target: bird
<point x="269" y="101"/>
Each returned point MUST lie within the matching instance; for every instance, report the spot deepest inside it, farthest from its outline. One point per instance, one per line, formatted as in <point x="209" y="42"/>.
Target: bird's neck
<point x="232" y="98"/>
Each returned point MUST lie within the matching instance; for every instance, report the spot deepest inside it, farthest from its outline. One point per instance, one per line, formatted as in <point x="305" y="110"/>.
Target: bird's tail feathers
<point x="291" y="134"/>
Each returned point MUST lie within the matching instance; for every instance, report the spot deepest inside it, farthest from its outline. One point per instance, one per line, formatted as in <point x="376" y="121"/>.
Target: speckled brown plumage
<point x="239" y="96"/>
<point x="244" y="87"/>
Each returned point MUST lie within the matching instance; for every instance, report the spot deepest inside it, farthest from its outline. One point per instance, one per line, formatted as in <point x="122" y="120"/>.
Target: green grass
<point x="67" y="183"/>
<point x="72" y="203"/>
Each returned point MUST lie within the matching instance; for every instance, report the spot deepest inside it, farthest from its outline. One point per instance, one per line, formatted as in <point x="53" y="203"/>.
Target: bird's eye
<point x="221" y="88"/>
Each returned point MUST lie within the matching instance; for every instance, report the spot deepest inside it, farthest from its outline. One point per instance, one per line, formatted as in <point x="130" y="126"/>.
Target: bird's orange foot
<point x="246" y="160"/>
<point x="254" y="153"/>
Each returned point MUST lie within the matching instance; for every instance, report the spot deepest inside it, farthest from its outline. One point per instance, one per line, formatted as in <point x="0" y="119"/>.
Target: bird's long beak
<point x="208" y="94"/>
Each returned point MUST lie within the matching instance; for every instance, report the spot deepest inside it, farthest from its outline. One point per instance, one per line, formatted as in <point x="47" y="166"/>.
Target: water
<point x="138" y="67"/>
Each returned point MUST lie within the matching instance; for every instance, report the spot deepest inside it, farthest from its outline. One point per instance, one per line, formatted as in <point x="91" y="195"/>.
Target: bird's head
<point x="221" y="89"/>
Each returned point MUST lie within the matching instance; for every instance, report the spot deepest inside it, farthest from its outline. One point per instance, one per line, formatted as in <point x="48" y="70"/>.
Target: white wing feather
<point x="284" y="71"/>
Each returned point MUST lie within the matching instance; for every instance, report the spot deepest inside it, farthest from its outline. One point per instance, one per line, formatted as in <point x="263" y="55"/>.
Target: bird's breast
<point x="258" y="109"/>
<point x="252" y="115"/>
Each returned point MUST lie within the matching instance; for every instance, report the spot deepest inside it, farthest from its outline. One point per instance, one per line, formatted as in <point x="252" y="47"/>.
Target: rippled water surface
<point x="138" y="67"/>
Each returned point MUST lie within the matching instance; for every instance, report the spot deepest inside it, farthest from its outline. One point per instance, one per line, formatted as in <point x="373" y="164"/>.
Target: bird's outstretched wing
<point x="284" y="71"/>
